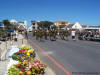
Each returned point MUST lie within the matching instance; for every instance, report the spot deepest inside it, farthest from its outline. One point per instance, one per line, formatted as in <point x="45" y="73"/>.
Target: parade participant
<point x="52" y="35"/>
<point x="61" y="34"/>
<point x="67" y="33"/>
<point x="45" y="34"/>
<point x="39" y="34"/>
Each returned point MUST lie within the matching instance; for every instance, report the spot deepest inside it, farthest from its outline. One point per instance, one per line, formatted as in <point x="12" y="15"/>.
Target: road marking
<point x="50" y="58"/>
<point x="49" y="52"/>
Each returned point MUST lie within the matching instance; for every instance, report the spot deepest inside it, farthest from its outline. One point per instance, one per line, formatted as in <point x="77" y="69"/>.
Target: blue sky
<point x="83" y="11"/>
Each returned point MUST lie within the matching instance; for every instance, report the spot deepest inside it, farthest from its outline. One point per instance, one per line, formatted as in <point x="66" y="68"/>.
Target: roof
<point x="84" y="26"/>
<point x="13" y="20"/>
<point x="91" y="28"/>
<point x="61" y="21"/>
<point x="21" y="27"/>
<point x="95" y="26"/>
<point x="21" y="22"/>
<point x="70" y="26"/>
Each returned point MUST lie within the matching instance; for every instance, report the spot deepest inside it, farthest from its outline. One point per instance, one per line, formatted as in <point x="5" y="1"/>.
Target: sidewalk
<point x="21" y="41"/>
<point x="4" y="48"/>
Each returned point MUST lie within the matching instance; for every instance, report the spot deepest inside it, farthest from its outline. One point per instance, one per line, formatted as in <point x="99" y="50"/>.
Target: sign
<point x="11" y="31"/>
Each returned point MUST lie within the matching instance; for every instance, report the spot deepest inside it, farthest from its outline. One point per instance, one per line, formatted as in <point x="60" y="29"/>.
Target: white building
<point x="30" y="28"/>
<point x="95" y="28"/>
<point x="34" y="25"/>
<point x="23" y="24"/>
<point x="74" y="26"/>
<point x="20" y="25"/>
<point x="77" y="26"/>
<point x="13" y="21"/>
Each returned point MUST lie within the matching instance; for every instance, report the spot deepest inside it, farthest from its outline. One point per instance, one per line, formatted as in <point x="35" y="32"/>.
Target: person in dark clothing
<point x="26" y="35"/>
<point x="45" y="34"/>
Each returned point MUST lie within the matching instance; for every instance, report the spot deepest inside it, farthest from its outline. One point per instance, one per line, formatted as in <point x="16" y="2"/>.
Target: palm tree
<point x="45" y="24"/>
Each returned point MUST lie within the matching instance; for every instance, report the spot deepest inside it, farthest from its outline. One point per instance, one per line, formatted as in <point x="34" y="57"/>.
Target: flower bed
<point x="27" y="64"/>
<point x="24" y="54"/>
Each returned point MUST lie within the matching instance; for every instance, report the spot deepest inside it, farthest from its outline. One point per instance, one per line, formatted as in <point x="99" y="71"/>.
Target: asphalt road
<point x="77" y="57"/>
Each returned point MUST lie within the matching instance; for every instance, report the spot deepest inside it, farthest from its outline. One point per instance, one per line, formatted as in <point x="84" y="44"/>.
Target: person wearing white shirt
<point x="73" y="33"/>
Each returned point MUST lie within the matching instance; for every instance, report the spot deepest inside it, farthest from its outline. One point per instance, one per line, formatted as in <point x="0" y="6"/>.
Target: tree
<point x="14" y="27"/>
<point x="7" y="25"/>
<point x="54" y="27"/>
<point x="45" y="24"/>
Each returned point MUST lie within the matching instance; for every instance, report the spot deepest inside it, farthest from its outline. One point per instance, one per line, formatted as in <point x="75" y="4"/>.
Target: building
<point x="30" y="28"/>
<point x="84" y="25"/>
<point x="74" y="26"/>
<point x="13" y="21"/>
<point x="94" y="28"/>
<point x="61" y="23"/>
<point x="34" y="25"/>
<point x="20" y="25"/>
<point x="1" y="25"/>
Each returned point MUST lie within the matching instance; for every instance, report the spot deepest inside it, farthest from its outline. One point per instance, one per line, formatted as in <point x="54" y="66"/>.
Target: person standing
<point x="26" y="35"/>
<point x="45" y="34"/>
<point x="16" y="32"/>
<point x="73" y="33"/>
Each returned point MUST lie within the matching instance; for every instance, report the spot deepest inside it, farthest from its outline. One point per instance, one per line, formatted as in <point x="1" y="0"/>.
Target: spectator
<point x="73" y="34"/>
<point x="26" y="34"/>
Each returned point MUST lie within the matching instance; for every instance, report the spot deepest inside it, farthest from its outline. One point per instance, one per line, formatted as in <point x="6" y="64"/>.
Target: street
<point x="74" y="57"/>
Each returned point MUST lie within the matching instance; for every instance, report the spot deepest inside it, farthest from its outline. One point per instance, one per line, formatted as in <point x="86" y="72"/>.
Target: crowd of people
<point x="89" y="35"/>
<point x="52" y="34"/>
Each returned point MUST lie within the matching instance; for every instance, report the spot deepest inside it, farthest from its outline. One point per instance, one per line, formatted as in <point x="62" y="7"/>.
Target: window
<point x="63" y="23"/>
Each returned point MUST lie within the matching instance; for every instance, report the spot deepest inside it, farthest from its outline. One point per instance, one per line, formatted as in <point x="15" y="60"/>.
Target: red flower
<point x="25" y="73"/>
<point x="37" y="61"/>
<point x="18" y="65"/>
<point x="41" y="64"/>
<point x="22" y="69"/>
<point x="30" y="68"/>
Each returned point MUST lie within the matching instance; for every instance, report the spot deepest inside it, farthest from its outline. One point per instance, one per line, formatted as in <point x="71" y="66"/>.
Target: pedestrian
<point x="34" y="32"/>
<point x="16" y="35"/>
<point x="26" y="35"/>
<point x="73" y="33"/>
